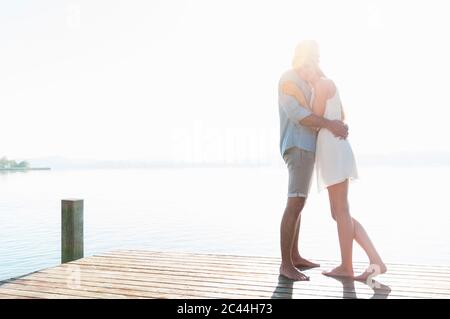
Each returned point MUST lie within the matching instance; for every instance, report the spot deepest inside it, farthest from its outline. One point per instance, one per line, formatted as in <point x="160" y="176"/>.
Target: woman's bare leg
<point x="340" y="210"/>
<point x="363" y="239"/>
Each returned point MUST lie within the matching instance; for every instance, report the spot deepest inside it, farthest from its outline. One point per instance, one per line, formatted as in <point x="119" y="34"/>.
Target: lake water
<point x="217" y="210"/>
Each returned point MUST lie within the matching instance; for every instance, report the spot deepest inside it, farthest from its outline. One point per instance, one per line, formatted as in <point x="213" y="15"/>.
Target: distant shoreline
<point x="25" y="169"/>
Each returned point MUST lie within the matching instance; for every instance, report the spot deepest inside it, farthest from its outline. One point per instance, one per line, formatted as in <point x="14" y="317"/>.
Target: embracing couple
<point x="313" y="134"/>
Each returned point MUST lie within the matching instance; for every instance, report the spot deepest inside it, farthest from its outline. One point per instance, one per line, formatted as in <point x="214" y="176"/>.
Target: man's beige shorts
<point x="300" y="164"/>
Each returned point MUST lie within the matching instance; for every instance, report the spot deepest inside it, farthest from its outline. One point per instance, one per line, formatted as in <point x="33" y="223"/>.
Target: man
<point x="298" y="134"/>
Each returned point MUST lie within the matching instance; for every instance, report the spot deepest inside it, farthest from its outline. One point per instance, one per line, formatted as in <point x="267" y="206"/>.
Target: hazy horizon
<point x="395" y="159"/>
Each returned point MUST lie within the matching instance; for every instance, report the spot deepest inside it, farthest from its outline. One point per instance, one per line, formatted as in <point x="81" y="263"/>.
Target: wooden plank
<point x="322" y="282"/>
<point x="262" y="258"/>
<point x="264" y="279"/>
<point x="240" y="270"/>
<point x="314" y="277"/>
<point x="285" y="288"/>
<point x="269" y="282"/>
<point x="21" y="291"/>
<point x="142" y="274"/>
<point x="173" y="281"/>
<point x="14" y="296"/>
<point x="64" y="278"/>
<point x="223" y="259"/>
<point x="60" y="292"/>
<point x="111" y="292"/>
<point x="249" y="263"/>
<point x="127" y="283"/>
<point x="178" y="289"/>
<point x="228" y="267"/>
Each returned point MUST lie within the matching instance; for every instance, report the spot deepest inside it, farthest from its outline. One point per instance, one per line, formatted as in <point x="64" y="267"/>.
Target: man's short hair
<point x="306" y="52"/>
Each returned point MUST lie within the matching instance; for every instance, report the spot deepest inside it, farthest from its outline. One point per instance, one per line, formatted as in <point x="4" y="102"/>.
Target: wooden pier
<point x="181" y="275"/>
<point x="148" y="274"/>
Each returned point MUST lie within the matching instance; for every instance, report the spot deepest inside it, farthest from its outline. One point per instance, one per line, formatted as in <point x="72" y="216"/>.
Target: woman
<point x="335" y="166"/>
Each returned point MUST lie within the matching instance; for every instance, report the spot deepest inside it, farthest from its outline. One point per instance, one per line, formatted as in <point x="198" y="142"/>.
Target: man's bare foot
<point x="300" y="262"/>
<point x="292" y="273"/>
<point x="339" y="271"/>
<point x="373" y="270"/>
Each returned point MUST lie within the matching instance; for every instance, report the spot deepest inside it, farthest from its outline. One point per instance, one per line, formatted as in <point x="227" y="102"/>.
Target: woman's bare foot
<point x="339" y="271"/>
<point x="373" y="270"/>
<point x="301" y="262"/>
<point x="292" y="273"/>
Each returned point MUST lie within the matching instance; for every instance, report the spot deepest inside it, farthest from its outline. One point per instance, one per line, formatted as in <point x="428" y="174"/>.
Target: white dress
<point x="335" y="161"/>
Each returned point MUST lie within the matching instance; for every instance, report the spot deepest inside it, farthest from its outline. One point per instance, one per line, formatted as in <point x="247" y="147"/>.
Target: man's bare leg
<point x="287" y="232"/>
<point x="297" y="259"/>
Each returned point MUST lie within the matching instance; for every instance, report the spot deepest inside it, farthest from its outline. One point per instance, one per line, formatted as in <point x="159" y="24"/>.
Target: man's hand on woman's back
<point x="338" y="128"/>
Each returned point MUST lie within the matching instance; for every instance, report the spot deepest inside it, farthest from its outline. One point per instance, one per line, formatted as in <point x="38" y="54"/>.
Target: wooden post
<point x="71" y="230"/>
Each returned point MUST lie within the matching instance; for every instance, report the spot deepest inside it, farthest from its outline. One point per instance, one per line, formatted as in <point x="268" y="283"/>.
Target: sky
<point x="196" y="81"/>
